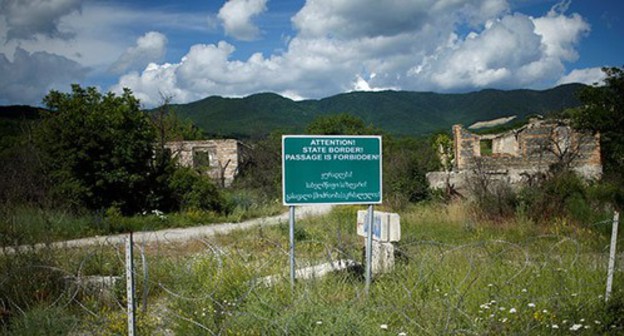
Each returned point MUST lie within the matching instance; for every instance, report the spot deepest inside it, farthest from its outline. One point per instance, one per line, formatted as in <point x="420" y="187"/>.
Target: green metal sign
<point x="319" y="169"/>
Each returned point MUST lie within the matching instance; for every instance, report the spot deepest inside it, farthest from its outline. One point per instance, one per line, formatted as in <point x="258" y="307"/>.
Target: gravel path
<point x="178" y="234"/>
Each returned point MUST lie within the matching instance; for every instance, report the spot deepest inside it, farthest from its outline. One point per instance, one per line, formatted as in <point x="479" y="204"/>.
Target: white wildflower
<point x="504" y="320"/>
<point x="576" y="327"/>
<point x="524" y="290"/>
<point x="597" y="322"/>
<point x="384" y="326"/>
<point x="531" y="305"/>
<point x="402" y="334"/>
<point x="555" y="326"/>
<point x="512" y="310"/>
<point x="319" y="322"/>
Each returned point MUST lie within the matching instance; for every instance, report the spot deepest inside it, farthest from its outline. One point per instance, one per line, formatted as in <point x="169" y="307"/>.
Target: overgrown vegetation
<point x="454" y="274"/>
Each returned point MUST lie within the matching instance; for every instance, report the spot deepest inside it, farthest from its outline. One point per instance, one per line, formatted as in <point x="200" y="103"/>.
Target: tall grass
<point x="453" y="275"/>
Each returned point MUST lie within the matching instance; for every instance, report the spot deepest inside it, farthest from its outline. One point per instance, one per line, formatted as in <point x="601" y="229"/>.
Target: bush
<point x="406" y="163"/>
<point x="96" y="149"/>
<point x="194" y="191"/>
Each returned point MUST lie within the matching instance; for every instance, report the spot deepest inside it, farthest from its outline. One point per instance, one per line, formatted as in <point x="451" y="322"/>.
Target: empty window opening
<point x="486" y="147"/>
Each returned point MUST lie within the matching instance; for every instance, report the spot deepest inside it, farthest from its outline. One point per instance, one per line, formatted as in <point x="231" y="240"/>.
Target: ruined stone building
<point x="518" y="155"/>
<point x="219" y="159"/>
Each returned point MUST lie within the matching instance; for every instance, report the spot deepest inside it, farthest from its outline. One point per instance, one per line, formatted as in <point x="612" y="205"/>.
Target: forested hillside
<point x="397" y="112"/>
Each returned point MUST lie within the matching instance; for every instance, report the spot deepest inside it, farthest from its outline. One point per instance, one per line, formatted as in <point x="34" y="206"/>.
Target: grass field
<point x="453" y="275"/>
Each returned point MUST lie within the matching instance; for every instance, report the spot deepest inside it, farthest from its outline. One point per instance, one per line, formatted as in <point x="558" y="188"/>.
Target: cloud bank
<point x="334" y="47"/>
<point x="348" y="45"/>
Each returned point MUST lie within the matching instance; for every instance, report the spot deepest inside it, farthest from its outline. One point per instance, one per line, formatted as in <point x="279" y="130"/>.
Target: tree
<point x="340" y="124"/>
<point x="603" y="111"/>
<point x="167" y="127"/>
<point x="97" y="148"/>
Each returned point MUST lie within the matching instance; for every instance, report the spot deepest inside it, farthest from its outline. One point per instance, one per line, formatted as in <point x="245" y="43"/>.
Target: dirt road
<point x="178" y="234"/>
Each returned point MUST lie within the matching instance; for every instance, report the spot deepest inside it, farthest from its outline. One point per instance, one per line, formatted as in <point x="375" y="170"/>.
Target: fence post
<point x="612" y="250"/>
<point x="130" y="286"/>
<point x="369" y="246"/>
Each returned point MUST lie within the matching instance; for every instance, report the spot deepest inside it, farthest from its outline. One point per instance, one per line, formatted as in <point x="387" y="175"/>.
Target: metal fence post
<point x="612" y="250"/>
<point x="369" y="247"/>
<point x="130" y="286"/>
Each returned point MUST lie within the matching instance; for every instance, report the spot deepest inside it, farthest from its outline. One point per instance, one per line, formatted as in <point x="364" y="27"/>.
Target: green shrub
<point x="194" y="191"/>
<point x="563" y="195"/>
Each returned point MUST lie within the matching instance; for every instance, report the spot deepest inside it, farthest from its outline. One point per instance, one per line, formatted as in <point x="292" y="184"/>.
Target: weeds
<point x="454" y="275"/>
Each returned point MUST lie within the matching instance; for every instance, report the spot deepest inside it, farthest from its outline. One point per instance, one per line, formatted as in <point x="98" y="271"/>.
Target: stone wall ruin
<point x="517" y="156"/>
<point x="219" y="159"/>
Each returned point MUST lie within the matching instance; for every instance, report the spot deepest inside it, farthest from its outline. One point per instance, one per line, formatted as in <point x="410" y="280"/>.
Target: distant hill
<point x="18" y="112"/>
<point x="396" y="112"/>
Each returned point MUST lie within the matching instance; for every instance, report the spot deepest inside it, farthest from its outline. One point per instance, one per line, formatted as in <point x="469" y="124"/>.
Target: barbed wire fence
<point x="239" y="284"/>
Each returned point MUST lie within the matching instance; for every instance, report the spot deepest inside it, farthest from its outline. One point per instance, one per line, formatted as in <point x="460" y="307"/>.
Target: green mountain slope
<point x="397" y="112"/>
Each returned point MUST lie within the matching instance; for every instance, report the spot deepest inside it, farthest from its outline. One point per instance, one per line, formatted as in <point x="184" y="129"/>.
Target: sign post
<point x="331" y="169"/>
<point x="291" y="237"/>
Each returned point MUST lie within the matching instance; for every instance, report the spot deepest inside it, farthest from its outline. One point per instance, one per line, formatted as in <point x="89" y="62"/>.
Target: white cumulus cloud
<point x="237" y="16"/>
<point x="149" y="48"/>
<point x="587" y="76"/>
<point x="444" y="45"/>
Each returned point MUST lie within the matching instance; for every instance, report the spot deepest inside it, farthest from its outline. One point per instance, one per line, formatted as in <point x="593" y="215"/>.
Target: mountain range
<point x="396" y="112"/>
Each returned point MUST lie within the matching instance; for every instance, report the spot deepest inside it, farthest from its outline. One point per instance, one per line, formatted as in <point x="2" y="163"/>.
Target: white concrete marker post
<point x="384" y="228"/>
<point x="611" y="269"/>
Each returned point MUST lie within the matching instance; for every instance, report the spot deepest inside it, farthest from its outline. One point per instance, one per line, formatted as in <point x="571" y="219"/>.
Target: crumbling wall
<point x="219" y="159"/>
<point x="518" y="155"/>
<point x="536" y="146"/>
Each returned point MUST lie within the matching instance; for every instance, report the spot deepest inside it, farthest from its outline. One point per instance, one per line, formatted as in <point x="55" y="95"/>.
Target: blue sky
<point x="302" y="49"/>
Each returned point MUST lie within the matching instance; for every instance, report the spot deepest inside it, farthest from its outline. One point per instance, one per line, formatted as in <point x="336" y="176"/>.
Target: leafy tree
<point x="262" y="169"/>
<point x="97" y="148"/>
<point x="603" y="111"/>
<point x="406" y="163"/>
<point x="340" y="124"/>
<point x="167" y="127"/>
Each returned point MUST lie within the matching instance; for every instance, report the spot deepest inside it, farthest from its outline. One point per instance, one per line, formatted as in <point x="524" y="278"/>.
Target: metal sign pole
<point x="130" y="286"/>
<point x="291" y="222"/>
<point x="369" y="247"/>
